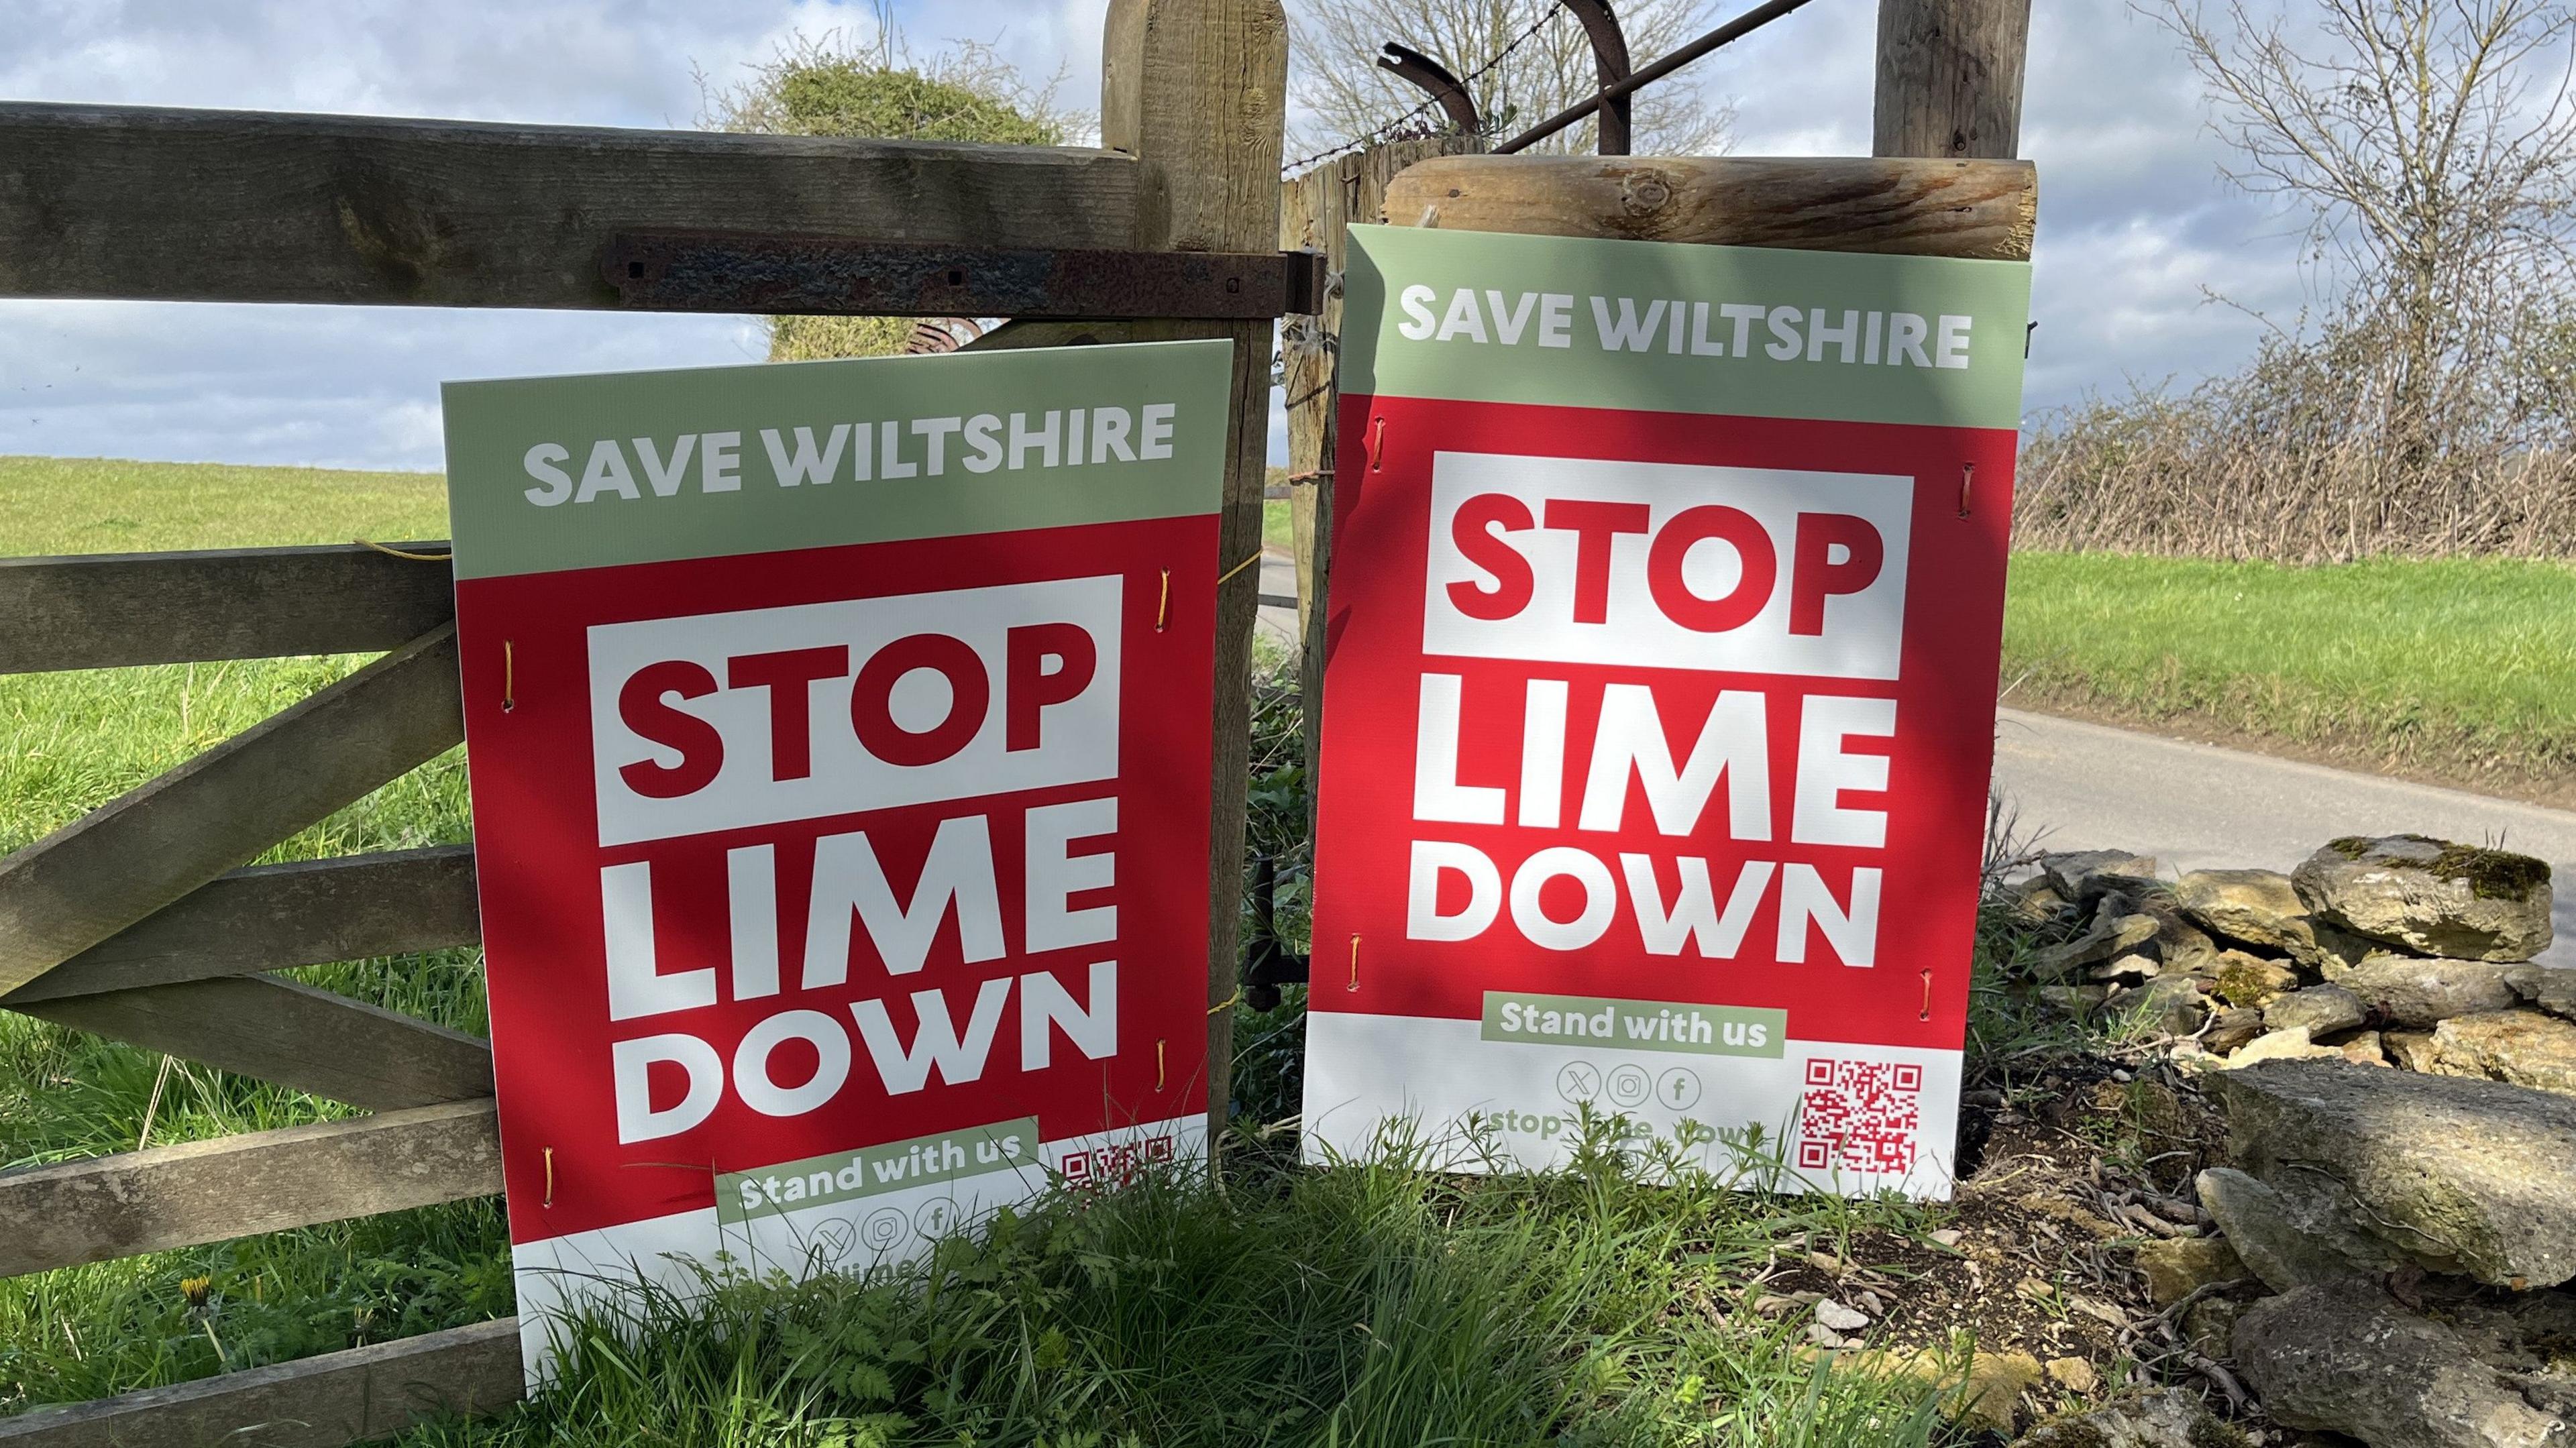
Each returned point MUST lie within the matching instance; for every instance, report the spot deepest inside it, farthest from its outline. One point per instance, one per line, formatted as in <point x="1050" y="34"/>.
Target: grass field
<point x="2459" y="669"/>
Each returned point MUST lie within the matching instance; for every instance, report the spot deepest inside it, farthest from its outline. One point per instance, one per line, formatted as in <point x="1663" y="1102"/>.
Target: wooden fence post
<point x="1314" y="210"/>
<point x="1949" y="78"/>
<point x="1197" y="90"/>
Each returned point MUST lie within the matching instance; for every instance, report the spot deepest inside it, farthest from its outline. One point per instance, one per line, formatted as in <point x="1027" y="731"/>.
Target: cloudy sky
<point x="2135" y="225"/>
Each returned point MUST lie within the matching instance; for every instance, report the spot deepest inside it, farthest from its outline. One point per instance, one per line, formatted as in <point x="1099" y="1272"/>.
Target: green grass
<point x="2459" y="667"/>
<point x="99" y="505"/>
<point x="1358" y="1306"/>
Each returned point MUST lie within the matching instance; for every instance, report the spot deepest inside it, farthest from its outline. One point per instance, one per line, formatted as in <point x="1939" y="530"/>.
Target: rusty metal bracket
<point x="1610" y="64"/>
<point x="1435" y="79"/>
<point x="705" y="271"/>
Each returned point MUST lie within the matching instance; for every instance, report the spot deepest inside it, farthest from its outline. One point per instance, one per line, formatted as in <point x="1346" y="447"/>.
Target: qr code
<point x="1117" y="1165"/>
<point x="1859" y="1116"/>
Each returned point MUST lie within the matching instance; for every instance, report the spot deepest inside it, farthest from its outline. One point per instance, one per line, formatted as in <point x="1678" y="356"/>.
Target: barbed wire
<point x="1392" y="129"/>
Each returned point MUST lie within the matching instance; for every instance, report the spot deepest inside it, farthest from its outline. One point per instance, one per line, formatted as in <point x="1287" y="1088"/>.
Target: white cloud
<point x="2134" y="223"/>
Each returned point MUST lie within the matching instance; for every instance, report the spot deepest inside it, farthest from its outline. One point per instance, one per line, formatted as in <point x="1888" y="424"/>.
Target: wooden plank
<point x="1197" y="90"/>
<point x="136" y="854"/>
<point x="290" y="1034"/>
<point x="116" y="609"/>
<point x="1949" y="78"/>
<point x="304" y="912"/>
<point x="1984" y="209"/>
<point x="245" y="206"/>
<point x="166" y="1197"/>
<point x="337" y="1398"/>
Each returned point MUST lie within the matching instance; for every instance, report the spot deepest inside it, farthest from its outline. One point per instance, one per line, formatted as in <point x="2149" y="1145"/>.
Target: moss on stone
<point x="2351" y="847"/>
<point x="2211" y="1433"/>
<point x="2492" y="874"/>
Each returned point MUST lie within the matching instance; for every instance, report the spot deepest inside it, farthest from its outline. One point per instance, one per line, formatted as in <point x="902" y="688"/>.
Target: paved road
<point x="2194" y="806"/>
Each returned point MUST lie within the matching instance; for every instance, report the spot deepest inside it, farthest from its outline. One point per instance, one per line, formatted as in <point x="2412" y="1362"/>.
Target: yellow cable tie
<point x="1158" y="1065"/>
<point x="398" y="553"/>
<point x="550" y="1178"/>
<point x="1163" y="606"/>
<point x="1355" y="964"/>
<point x="1225" y="577"/>
<point x="1228" y="1003"/>
<point x="509" y="677"/>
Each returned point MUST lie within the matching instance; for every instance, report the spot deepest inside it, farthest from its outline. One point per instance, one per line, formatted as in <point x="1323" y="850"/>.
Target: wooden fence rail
<point x="112" y="610"/>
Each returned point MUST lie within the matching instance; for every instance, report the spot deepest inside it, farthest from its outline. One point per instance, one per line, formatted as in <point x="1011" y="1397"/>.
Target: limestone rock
<point x="2552" y="988"/>
<point x="2526" y="1048"/>
<point x="2109" y="936"/>
<point x="2036" y="901"/>
<point x="2083" y="874"/>
<point x="2287" y="1239"/>
<point x="2166" y="1418"/>
<point x="2259" y="907"/>
<point x="2474" y="1177"/>
<point x="2073" y="1374"/>
<point x="2410" y="1049"/>
<point x="2250" y="980"/>
<point x="2127" y="969"/>
<point x="2172" y="1004"/>
<point x="2339" y="950"/>
<point x="2346" y="1359"/>
<point x="2176" y="1267"/>
<point x="1995" y="1383"/>
<point x="2234" y="1027"/>
<point x="2431" y="896"/>
<point x="2408" y="991"/>
<point x="2362" y="1048"/>
<point x="2209" y="1325"/>
<point x="2322" y="1009"/>
<point x="2292" y="1044"/>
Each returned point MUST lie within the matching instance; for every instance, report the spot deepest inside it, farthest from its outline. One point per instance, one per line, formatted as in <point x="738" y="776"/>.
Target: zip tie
<point x="1927" y="995"/>
<point x="1967" y="480"/>
<point x="398" y="553"/>
<point x="1158" y="1065"/>
<point x="1377" y="441"/>
<point x="1227" y="576"/>
<point x="509" y="677"/>
<point x="1228" y="1003"/>
<point x="550" y="1178"/>
<point x="1355" y="964"/>
<point x="1307" y="477"/>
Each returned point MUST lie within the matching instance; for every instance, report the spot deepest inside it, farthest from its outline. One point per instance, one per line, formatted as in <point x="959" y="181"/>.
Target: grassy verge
<point x="2459" y="669"/>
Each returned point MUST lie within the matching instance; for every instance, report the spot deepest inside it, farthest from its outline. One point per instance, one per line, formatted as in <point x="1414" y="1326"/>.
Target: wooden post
<point x="1197" y="90"/>
<point x="1314" y="209"/>
<point x="1949" y="78"/>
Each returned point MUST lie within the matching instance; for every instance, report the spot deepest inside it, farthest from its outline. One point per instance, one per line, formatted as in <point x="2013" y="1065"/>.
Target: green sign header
<point x="1553" y="1020"/>
<point x="579" y="472"/>
<point x="1665" y="327"/>
<point x="873" y="1170"/>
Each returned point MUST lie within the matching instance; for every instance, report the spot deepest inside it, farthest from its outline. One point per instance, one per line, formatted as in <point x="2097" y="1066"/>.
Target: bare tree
<point x="2431" y="145"/>
<point x="1339" y="94"/>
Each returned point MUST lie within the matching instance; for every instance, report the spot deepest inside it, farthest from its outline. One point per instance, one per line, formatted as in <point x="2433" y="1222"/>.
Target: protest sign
<point x="1664" y="621"/>
<point x="839" y="745"/>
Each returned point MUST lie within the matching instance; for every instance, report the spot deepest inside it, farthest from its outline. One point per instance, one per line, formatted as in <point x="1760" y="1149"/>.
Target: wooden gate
<point x="136" y="921"/>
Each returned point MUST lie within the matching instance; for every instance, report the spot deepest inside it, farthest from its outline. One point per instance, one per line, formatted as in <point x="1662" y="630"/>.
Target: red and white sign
<point x="1654" y="780"/>
<point x="849" y="882"/>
